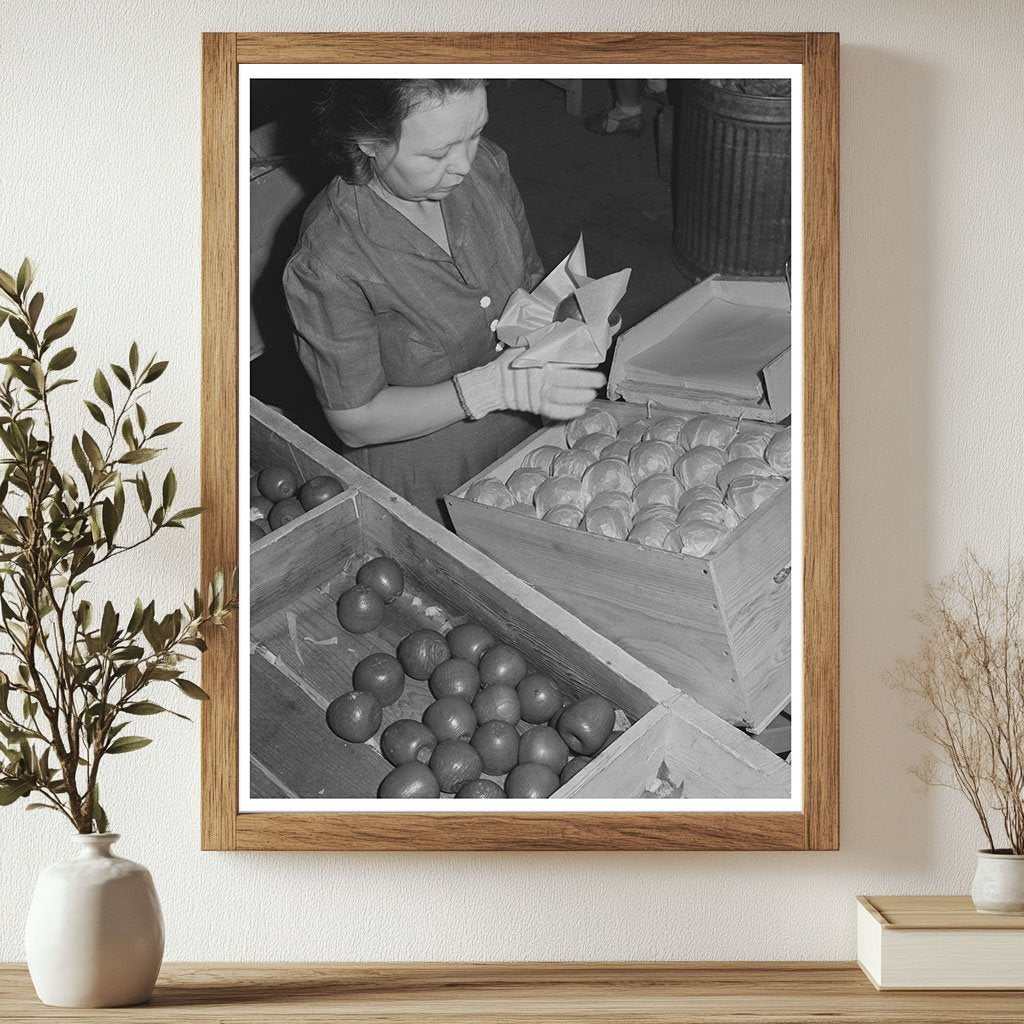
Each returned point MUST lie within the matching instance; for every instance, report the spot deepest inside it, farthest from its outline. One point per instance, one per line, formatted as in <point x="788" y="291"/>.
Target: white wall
<point x="100" y="183"/>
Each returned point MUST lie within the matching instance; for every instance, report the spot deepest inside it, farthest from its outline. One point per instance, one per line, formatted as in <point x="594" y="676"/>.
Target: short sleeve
<point x="335" y="334"/>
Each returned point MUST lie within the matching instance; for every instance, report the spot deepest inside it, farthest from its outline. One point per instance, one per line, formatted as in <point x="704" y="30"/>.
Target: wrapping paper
<point x="565" y="318"/>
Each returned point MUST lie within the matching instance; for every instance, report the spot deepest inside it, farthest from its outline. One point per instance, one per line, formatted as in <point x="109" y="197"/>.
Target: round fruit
<point x="469" y="641"/>
<point x="421" y="652"/>
<point x="318" y="490"/>
<point x="497" y="743"/>
<point x="354" y="716"/>
<point x="586" y="724"/>
<point x="258" y="529"/>
<point x="543" y="745"/>
<point x="277" y="483"/>
<point x="450" y="718"/>
<point x="384" y="575"/>
<point x="502" y="664"/>
<point x="412" y="781"/>
<point x="254" y="489"/>
<point x="539" y="698"/>
<point x="530" y="782"/>
<point x="455" y="678"/>
<point x="360" y="610"/>
<point x="407" y="740"/>
<point x="284" y="512"/>
<point x="454" y="763"/>
<point x="259" y="507"/>
<point x="380" y="674"/>
<point x="573" y="768"/>
<point x="496" y="702"/>
<point x="480" y="789"/>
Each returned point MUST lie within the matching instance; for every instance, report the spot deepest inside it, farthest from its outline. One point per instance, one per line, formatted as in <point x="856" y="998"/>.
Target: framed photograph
<point x="534" y="369"/>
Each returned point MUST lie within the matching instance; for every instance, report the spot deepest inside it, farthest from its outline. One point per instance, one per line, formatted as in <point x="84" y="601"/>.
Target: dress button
<point x="485" y="301"/>
<point x="494" y="325"/>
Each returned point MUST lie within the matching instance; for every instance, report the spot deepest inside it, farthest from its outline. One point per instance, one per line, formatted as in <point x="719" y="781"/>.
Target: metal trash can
<point x="731" y="182"/>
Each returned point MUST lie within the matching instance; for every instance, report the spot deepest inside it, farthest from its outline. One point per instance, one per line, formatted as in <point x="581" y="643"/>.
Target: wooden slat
<point x="821" y="440"/>
<point x="219" y="430"/>
<point x="521" y="47"/>
<point x="522" y="993"/>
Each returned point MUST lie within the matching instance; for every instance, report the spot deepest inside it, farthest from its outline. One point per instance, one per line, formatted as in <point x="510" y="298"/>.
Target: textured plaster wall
<point x="100" y="183"/>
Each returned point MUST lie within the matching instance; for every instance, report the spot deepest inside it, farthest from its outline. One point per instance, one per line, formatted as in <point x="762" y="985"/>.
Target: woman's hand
<point x="558" y="392"/>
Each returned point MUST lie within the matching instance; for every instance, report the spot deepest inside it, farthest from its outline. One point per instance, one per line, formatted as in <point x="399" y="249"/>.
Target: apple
<point x="586" y="724"/>
<point x="407" y="740"/>
<point x="410" y="781"/>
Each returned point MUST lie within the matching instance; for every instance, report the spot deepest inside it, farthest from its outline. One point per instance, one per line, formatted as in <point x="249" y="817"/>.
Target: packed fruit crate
<point x="390" y="660"/>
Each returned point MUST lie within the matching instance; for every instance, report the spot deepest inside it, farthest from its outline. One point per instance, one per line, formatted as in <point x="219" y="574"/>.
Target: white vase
<point x="999" y="882"/>
<point x="95" y="934"/>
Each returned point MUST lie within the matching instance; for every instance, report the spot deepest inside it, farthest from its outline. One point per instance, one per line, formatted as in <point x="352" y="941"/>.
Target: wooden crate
<point x="718" y="628"/>
<point x="301" y="658"/>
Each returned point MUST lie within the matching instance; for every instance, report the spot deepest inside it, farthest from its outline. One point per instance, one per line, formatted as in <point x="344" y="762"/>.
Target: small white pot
<point x="999" y="882"/>
<point x="95" y="933"/>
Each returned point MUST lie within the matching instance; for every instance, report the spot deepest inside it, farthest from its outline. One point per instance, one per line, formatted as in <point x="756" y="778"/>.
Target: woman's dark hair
<point x="371" y="110"/>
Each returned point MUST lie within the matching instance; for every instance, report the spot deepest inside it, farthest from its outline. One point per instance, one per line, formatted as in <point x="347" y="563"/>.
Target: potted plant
<point x="967" y="682"/>
<point x="75" y="671"/>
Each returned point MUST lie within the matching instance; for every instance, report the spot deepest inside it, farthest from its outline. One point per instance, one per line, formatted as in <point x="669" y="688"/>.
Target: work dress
<point x="374" y="302"/>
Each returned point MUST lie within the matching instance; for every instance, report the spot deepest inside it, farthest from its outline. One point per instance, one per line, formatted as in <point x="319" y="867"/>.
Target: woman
<point x="403" y="264"/>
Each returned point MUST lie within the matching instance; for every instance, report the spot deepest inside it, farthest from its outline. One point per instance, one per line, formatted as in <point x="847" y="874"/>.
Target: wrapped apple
<point x="595" y="443"/>
<point x="749" y="443"/>
<point x="593" y="421"/>
<point x="747" y="493"/>
<point x="613" y="499"/>
<point x="542" y="457"/>
<point x="490" y="492"/>
<point x="699" y="538"/>
<point x="607" y="522"/>
<point x="665" y="428"/>
<point x="700" y="465"/>
<point x="559" y="490"/>
<point x="701" y="492"/>
<point x="618" y="449"/>
<point x="658" y="489"/>
<point x="522" y="508"/>
<point x="574" y="462"/>
<point x="715" y="431"/>
<point x="779" y="452"/>
<point x="634" y="432"/>
<point x="666" y="512"/>
<point x="651" y="533"/>
<point x="607" y="475"/>
<point x="742" y="467"/>
<point x="523" y="483"/>
<point x="650" y="457"/>
<point x="564" y="515"/>
<point x="709" y="512"/>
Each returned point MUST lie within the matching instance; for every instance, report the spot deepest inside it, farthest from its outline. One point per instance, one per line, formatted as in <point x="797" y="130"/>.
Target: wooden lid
<point x="936" y="912"/>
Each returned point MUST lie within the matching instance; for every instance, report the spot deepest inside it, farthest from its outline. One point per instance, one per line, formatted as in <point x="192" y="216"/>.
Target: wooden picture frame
<point x="816" y="825"/>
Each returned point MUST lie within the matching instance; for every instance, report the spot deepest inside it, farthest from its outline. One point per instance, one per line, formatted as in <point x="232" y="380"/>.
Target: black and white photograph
<point x="524" y="440"/>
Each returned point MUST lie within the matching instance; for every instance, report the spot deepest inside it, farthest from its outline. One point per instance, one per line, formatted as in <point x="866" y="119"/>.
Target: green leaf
<point x="26" y="274"/>
<point x="145" y="497"/>
<point x="185" y="513"/>
<point x="41" y="807"/>
<point x="4" y="314"/>
<point x="144" y="707"/>
<point x="8" y="284"/>
<point x="191" y="690"/>
<point x="60" y="326"/>
<point x="154" y="372"/>
<point x="138" y="455"/>
<point x="108" y="626"/>
<point x="14" y="790"/>
<point x="170" y="488"/>
<point x="35" y="307"/>
<point x="140" y="415"/>
<point x="102" y="388"/>
<point x="81" y="461"/>
<point x="165" y="428"/>
<point x="133" y="358"/>
<point x="128" y="433"/>
<point x="125" y="744"/>
<point x="20" y="328"/>
<point x="63" y="359"/>
<point x="99" y="816"/>
<point x="92" y="449"/>
<point x="121" y="374"/>
<point x="95" y="412"/>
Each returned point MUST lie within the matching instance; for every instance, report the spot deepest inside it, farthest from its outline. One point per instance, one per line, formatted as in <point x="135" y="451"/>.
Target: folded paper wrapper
<point x="565" y="318"/>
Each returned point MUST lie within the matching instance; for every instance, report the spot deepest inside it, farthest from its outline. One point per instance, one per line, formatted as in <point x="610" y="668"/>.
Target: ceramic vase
<point x="95" y="933"/>
<point x="999" y="882"/>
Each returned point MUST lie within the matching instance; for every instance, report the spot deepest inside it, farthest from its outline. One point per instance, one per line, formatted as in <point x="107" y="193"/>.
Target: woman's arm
<point x="397" y="414"/>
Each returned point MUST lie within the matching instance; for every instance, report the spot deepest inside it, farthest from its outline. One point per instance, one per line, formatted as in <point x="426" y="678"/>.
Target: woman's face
<point x="435" y="149"/>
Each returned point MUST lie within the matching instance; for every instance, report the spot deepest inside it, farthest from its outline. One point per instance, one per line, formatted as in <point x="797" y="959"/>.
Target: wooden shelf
<point x="612" y="993"/>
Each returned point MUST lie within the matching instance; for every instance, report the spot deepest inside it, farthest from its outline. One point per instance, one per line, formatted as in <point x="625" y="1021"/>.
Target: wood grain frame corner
<point x="817" y="827"/>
